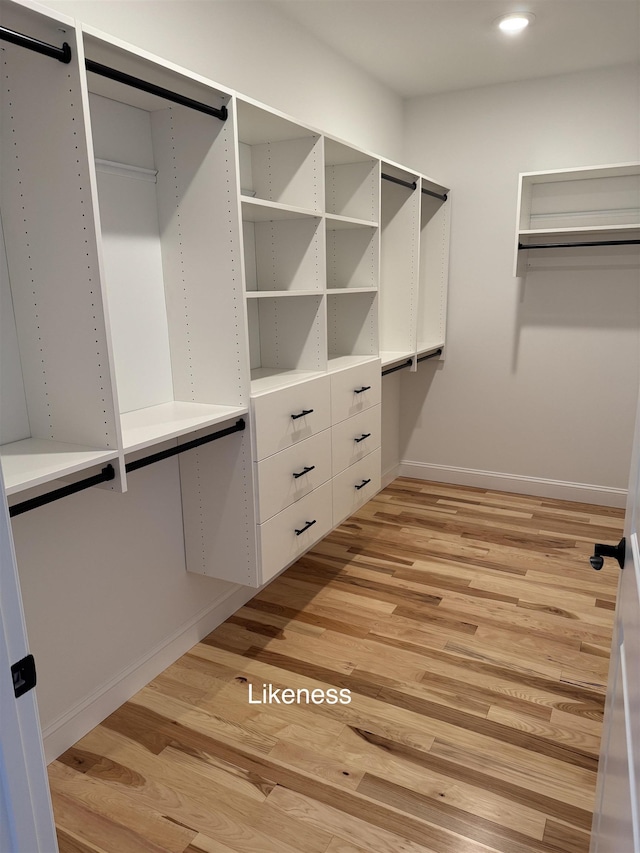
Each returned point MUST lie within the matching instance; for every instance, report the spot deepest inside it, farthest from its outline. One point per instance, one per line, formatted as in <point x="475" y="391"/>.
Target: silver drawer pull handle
<point x="301" y="414"/>
<point x="362" y="484"/>
<point x="304" y="471"/>
<point x="306" y="527"/>
<point x="362" y="437"/>
<point x="361" y="390"/>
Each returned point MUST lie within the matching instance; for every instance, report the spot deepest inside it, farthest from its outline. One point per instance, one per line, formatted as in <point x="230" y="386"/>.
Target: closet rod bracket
<point x="62" y="54"/>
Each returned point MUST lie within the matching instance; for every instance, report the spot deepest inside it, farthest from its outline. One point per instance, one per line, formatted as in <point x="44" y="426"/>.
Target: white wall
<point x="541" y="376"/>
<point x="253" y="48"/>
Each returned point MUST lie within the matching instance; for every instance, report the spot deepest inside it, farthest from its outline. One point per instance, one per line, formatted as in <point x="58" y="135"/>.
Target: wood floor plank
<point x="473" y="640"/>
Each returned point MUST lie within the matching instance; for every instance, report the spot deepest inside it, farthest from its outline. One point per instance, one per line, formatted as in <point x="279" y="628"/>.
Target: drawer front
<point x="280" y="420"/>
<point x="354" y="390"/>
<point x="288" y="476"/>
<point x="350" y="489"/>
<point x="355" y="438"/>
<point x="279" y="544"/>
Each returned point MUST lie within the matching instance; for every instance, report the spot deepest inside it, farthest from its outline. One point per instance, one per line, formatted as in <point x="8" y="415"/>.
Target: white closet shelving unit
<point x="170" y="232"/>
<point x="170" y="239"/>
<point x="585" y="212"/>
<point x="433" y="277"/>
<point x="281" y="189"/>
<point x="58" y="412"/>
<point x="400" y="223"/>
<point x="414" y="266"/>
<point x="183" y="258"/>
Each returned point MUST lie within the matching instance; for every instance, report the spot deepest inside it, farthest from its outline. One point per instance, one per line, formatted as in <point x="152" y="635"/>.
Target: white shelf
<point x="270" y="294"/>
<point x="428" y="347"/>
<point x="578" y="205"/>
<point x="390" y="358"/>
<point x="340" y="362"/>
<point x="347" y="289"/>
<point x="607" y="230"/>
<point x="33" y="462"/>
<point x="339" y="223"/>
<point x="145" y="427"/>
<point x="265" y="379"/>
<point x="259" y="210"/>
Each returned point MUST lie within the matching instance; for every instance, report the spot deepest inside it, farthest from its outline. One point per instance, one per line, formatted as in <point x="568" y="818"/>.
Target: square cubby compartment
<point x="280" y="161"/>
<point x="282" y="254"/>
<point x="287" y="337"/>
<point x="352" y="324"/>
<point x="352" y="255"/>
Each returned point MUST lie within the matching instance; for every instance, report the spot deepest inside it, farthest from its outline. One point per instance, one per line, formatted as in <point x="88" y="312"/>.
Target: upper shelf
<point x="260" y="210"/>
<point x="578" y="208"/>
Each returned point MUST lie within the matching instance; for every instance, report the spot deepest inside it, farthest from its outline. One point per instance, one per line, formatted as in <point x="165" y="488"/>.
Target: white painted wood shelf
<point x="595" y="205"/>
<point x="34" y="462"/>
<point x="146" y="427"/>
<point x="260" y="210"/>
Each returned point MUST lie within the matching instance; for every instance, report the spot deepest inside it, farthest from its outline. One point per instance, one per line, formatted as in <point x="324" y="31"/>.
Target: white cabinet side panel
<point x="398" y="267"/>
<point x="52" y="252"/>
<point x="14" y="419"/>
<point x="200" y="228"/>
<point x="434" y="271"/>
<point x="218" y="510"/>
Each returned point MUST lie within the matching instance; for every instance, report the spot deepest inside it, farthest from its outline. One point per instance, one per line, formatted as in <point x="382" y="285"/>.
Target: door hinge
<point x="24" y="675"/>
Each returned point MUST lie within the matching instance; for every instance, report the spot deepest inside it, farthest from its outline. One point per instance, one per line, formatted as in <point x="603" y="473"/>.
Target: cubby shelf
<point x="336" y="291"/>
<point x="275" y="294"/>
<point x="264" y="379"/>
<point x="339" y="223"/>
<point x="260" y="210"/>
<point x="343" y="362"/>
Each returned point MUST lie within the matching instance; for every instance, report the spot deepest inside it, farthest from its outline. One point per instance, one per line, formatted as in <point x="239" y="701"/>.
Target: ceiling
<point x="419" y="47"/>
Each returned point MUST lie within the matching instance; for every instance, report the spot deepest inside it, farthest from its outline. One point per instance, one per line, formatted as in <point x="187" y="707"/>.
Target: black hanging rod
<point x="107" y="473"/>
<point x="431" y="355"/>
<point x="442" y="197"/>
<point x="407" y="184"/>
<point x="63" y="54"/>
<point x="181" y="448"/>
<point x="522" y="246"/>
<point x="136" y="83"/>
<point x="402" y="366"/>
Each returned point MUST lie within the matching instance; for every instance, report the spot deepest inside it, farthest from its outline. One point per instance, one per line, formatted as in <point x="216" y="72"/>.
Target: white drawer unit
<point x="354" y="438"/>
<point x="355" y="486"/>
<point x="283" y="538"/>
<point x="286" y="477"/>
<point x="355" y="389"/>
<point x="290" y="415"/>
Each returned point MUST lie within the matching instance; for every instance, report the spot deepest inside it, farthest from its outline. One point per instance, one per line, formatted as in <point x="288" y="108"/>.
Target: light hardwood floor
<point x="474" y="638"/>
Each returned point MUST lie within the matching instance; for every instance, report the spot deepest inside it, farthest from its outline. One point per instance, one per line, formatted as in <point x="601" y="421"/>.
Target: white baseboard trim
<point x="90" y="711"/>
<point x="537" y="486"/>
<point x="389" y="475"/>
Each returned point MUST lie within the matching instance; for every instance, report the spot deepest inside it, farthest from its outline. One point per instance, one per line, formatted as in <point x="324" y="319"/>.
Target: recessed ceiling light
<point x="515" y="22"/>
